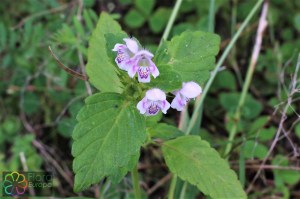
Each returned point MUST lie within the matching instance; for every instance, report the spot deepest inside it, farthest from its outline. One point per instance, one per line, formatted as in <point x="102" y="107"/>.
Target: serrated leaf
<point x="193" y="160"/>
<point x="192" y="55"/>
<point x="164" y="131"/>
<point x="103" y="73"/>
<point x="168" y="80"/>
<point x="107" y="139"/>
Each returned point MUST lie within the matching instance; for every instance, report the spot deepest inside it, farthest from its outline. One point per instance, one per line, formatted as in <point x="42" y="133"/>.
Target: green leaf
<point x="88" y="20"/>
<point x="153" y="120"/>
<point x="134" y="19"/>
<point x="3" y="36"/>
<point x="297" y="130"/>
<point x="253" y="149"/>
<point x="258" y="124"/>
<point x="145" y="6"/>
<point x="193" y="160"/>
<point x="24" y="144"/>
<point x="111" y="40"/>
<point x="168" y="80"/>
<point x="102" y="72"/>
<point x="284" y="176"/>
<point x="78" y="26"/>
<point x="31" y="103"/>
<point x="224" y="80"/>
<point x="192" y="55"/>
<point x="66" y="126"/>
<point x="164" y="131"/>
<point x="159" y="19"/>
<point x="266" y="134"/>
<point x="251" y="109"/>
<point x="297" y="22"/>
<point x="107" y="139"/>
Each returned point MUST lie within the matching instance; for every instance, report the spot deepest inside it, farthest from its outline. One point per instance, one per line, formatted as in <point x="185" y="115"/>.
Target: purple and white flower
<point x="134" y="60"/>
<point x="188" y="91"/>
<point x="153" y="102"/>
<point x="125" y="53"/>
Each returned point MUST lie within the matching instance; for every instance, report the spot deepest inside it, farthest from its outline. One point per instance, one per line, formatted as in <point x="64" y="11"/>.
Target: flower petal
<point x="178" y="103"/>
<point x="142" y="105"/>
<point x="132" y="45"/>
<point x="154" y="70"/>
<point x="155" y="94"/>
<point x="118" y="47"/>
<point x="145" y="53"/>
<point x="190" y="90"/>
<point x="144" y="74"/>
<point x="165" y="105"/>
<point x="132" y="70"/>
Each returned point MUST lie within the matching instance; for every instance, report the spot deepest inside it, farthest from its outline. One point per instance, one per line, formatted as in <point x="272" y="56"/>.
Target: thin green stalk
<point x="210" y="28"/>
<point x="135" y="181"/>
<point x="172" y="187"/>
<point x="184" y="187"/>
<point x="171" y="21"/>
<point x="184" y="119"/>
<point x="165" y="37"/>
<point x="219" y="64"/>
<point x="249" y="75"/>
<point x="211" y="17"/>
<point x="242" y="175"/>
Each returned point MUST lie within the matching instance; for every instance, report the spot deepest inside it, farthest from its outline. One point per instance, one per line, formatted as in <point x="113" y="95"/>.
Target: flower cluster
<point x="134" y="59"/>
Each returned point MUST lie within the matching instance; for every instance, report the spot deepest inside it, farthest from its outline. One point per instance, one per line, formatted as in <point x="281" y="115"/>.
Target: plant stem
<point x="171" y="21"/>
<point x="184" y="119"/>
<point x="172" y="187"/>
<point x="211" y="16"/>
<point x="165" y="37"/>
<point x="184" y="187"/>
<point x="237" y="116"/>
<point x="196" y="112"/>
<point x="135" y="181"/>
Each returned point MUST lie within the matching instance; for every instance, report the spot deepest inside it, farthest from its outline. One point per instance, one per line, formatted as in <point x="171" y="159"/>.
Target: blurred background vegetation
<point x="39" y="101"/>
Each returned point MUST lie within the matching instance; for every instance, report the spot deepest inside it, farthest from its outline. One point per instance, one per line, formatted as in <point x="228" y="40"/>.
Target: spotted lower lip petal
<point x="153" y="102"/>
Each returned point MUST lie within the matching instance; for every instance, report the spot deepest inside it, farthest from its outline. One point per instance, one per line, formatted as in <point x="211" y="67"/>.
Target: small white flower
<point x="188" y="91"/>
<point x="153" y="102"/>
<point x="134" y="60"/>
